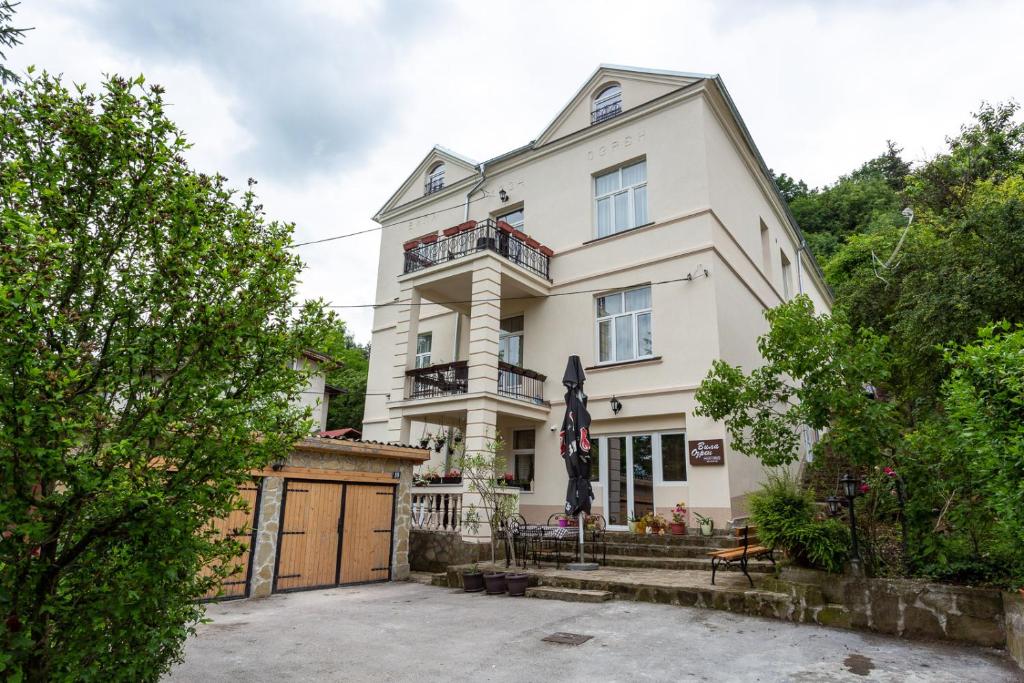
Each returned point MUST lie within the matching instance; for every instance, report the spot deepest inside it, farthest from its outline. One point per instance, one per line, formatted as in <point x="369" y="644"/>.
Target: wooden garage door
<point x="366" y="545"/>
<point x="310" y="525"/>
<point x="240" y="525"/>
<point x="334" y="533"/>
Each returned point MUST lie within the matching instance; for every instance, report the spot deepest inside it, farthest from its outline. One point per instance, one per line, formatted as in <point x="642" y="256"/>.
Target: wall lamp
<point x="616" y="405"/>
<point x="502" y="195"/>
<point x="277" y="465"/>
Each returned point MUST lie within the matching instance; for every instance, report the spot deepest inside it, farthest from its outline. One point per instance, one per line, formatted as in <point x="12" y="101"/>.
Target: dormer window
<point x="435" y="179"/>
<point x="607" y="103"/>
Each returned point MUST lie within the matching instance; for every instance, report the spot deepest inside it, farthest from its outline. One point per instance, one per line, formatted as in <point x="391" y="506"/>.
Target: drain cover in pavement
<point x="567" y="638"/>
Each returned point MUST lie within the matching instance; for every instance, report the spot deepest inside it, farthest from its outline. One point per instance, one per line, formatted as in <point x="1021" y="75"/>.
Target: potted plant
<point x="425" y="441"/>
<point x="495" y="583"/>
<point x="452" y="476"/>
<point x="707" y="525"/>
<point x="563" y="521"/>
<point x="457" y="436"/>
<point x="517" y="584"/>
<point x="677" y="526"/>
<point x="439" y="440"/>
<point x="655" y="524"/>
<point x="508" y="478"/>
<point x="473" y="579"/>
<point x="636" y="524"/>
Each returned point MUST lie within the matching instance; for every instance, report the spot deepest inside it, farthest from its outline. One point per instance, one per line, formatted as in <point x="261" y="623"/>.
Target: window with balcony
<point x="513" y="218"/>
<point x="620" y="199"/>
<point x="435" y="179"/>
<point x="624" y="326"/>
<point x="423" y="343"/>
<point x="510" y="341"/>
<point x="607" y="104"/>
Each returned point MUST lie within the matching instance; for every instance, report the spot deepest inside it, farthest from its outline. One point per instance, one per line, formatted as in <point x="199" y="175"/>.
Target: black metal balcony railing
<point x="524" y="385"/>
<point x="447" y="379"/>
<point x="606" y="112"/>
<point x="486" y="236"/>
<point x="433" y="185"/>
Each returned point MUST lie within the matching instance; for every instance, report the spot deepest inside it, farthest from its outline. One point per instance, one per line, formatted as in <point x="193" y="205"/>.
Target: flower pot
<point x="677" y="528"/>
<point x="495" y="583"/>
<point x="451" y="480"/>
<point x="563" y="522"/>
<point x="707" y="528"/>
<point x="517" y="584"/>
<point x="448" y="232"/>
<point x="472" y="582"/>
<point x="632" y="527"/>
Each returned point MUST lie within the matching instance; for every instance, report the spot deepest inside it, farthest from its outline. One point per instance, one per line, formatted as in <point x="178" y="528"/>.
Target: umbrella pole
<point x="582" y="554"/>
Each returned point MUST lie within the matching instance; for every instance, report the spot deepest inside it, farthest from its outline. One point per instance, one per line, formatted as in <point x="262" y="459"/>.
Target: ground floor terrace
<point x="406" y="632"/>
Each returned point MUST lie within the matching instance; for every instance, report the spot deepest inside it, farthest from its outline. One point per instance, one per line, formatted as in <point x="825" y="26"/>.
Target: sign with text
<point x="707" y="452"/>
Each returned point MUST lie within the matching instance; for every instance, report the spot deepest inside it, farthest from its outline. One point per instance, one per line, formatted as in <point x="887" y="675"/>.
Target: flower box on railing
<point x="429" y="239"/>
<point x="519" y="235"/>
<point x="505" y="227"/>
<point x="448" y="232"/>
<point x="530" y="242"/>
<point x="411" y="244"/>
<point x="468" y="225"/>
<point x="450" y="480"/>
<point x="547" y="251"/>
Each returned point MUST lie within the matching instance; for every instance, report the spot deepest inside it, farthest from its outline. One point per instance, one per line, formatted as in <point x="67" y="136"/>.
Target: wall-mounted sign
<point x="707" y="452"/>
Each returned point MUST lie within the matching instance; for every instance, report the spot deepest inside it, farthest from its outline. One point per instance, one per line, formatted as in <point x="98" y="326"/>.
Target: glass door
<point x="629" y="480"/>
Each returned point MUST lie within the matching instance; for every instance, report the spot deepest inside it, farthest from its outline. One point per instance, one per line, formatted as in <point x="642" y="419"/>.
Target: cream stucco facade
<point x="706" y="240"/>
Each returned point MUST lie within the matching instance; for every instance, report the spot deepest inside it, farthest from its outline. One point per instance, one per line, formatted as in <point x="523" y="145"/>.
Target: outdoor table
<point x="561" y="534"/>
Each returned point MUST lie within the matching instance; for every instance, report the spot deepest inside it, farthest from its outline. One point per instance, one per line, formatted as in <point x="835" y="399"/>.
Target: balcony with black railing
<point x="472" y="238"/>
<point x="610" y="110"/>
<point x="520" y="384"/>
<point x="446" y="379"/>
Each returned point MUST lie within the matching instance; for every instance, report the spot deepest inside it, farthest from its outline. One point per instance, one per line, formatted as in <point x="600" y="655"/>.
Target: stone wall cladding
<point x="265" y="552"/>
<point x="1013" y="606"/>
<point x="435" y="551"/>
<point x="403" y="504"/>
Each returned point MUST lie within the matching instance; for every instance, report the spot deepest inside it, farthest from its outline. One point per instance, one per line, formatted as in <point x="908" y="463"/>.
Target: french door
<point x="628" y="464"/>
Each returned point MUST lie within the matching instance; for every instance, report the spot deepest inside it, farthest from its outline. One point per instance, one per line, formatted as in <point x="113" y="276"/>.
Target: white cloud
<point x="821" y="87"/>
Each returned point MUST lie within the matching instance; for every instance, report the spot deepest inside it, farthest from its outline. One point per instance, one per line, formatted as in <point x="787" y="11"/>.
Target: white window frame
<point x="516" y="452"/>
<point x="422" y="360"/>
<point x="630" y="191"/>
<point x="787" y="275"/>
<point x="518" y="225"/>
<point x="435" y="173"/>
<point x="658" y="472"/>
<point x="636" y="334"/>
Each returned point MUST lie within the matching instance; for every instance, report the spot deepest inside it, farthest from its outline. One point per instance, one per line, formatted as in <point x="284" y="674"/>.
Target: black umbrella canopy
<point x="575" y="440"/>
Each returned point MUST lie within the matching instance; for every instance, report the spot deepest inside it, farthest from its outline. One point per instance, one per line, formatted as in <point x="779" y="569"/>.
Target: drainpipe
<point x="483" y="177"/>
<point x="799" y="268"/>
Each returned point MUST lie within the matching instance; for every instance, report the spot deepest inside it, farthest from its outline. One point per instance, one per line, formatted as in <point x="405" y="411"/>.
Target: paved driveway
<point x="410" y="632"/>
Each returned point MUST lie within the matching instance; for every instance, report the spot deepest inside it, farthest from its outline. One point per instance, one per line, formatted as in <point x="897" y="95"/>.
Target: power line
<point x="460" y="205"/>
<point x="703" y="273"/>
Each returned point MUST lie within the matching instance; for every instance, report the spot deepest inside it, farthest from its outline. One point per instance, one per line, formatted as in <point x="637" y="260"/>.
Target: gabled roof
<point x="436" y="153"/>
<point x="609" y="71"/>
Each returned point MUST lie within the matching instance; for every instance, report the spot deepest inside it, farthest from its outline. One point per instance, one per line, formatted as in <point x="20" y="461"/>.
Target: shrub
<point x="785" y="519"/>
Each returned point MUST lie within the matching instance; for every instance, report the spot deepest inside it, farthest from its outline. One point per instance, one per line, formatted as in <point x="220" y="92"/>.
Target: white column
<point x="406" y="329"/>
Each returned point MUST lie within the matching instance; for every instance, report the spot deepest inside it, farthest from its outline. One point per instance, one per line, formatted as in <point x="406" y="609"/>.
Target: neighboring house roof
<point x="344" y="432"/>
<point x="343" y="445"/>
<point x="317" y="356"/>
<point x="332" y="390"/>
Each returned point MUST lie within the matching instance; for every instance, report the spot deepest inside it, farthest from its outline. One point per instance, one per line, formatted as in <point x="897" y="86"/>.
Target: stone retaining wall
<point x="435" y="551"/>
<point x="899" y="607"/>
<point x="1013" y="606"/>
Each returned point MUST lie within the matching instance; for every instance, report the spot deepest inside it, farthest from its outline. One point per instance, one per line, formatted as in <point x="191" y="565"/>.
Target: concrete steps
<point x="568" y="594"/>
<point x="653" y="550"/>
<point x="676" y="563"/>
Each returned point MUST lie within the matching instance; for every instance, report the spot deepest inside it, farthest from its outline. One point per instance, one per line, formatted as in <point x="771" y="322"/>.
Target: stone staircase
<point x="689" y="552"/>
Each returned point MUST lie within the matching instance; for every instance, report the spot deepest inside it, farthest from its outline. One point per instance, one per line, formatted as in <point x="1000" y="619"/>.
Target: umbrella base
<point x="582" y="566"/>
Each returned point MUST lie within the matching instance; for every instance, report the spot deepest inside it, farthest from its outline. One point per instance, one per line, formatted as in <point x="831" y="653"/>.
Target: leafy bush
<point x="785" y="519"/>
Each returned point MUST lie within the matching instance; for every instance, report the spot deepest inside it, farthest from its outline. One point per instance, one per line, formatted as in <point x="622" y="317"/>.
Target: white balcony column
<point x="481" y="431"/>
<point x="406" y="330"/>
<point x="484" y="328"/>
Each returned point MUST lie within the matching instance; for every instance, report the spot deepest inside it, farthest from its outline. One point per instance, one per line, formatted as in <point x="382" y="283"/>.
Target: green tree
<point x="346" y="409"/>
<point x="815" y="373"/>
<point x="9" y="37"/>
<point x="146" y="329"/>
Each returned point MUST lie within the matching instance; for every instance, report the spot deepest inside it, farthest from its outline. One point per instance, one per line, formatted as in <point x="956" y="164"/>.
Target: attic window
<point x="607" y="103"/>
<point x="435" y="179"/>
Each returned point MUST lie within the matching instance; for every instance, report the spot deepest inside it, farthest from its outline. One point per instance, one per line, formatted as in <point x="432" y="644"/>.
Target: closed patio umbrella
<point x="575" y="449"/>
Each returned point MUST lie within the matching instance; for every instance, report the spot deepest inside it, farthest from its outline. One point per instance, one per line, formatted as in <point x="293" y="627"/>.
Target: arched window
<point x="607" y="103"/>
<point x="435" y="178"/>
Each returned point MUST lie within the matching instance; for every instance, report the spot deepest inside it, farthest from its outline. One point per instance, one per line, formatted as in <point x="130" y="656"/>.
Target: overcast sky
<point x="330" y="105"/>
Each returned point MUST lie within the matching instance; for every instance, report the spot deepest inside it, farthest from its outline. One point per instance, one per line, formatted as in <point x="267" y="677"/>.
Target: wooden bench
<point x="750" y="550"/>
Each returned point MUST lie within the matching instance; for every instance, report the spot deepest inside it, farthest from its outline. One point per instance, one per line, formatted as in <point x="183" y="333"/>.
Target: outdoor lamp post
<point x="832" y="504"/>
<point x="850" y="484"/>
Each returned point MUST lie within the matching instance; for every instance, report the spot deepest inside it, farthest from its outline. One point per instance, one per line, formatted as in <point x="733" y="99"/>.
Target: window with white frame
<point x="620" y="199"/>
<point x="513" y="218"/>
<point x="624" y="326"/>
<point x="523" y="449"/>
<point x="423" y="343"/>
<point x="435" y="179"/>
<point x="673" y="457"/>
<point x="787" y="277"/>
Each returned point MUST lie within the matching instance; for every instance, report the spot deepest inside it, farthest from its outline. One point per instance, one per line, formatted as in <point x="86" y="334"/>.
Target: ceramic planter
<point x="677" y="528"/>
<point x="495" y="583"/>
<point x="517" y="584"/>
<point x="707" y="528"/>
<point x="473" y="582"/>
